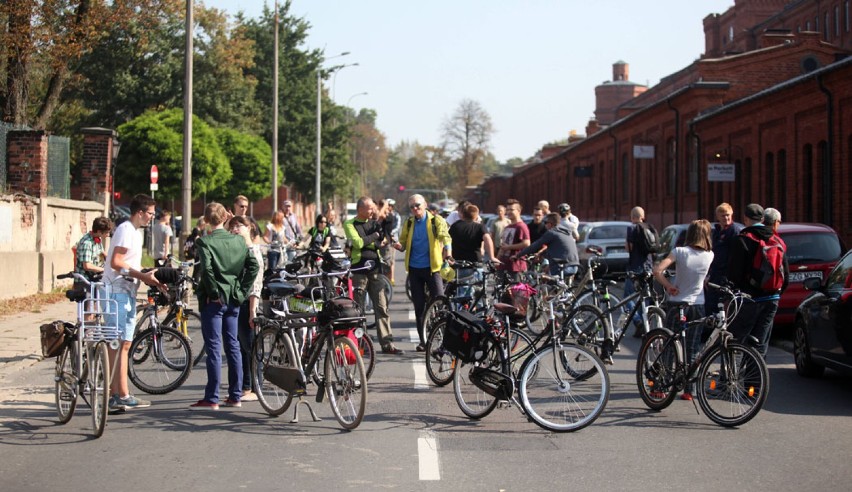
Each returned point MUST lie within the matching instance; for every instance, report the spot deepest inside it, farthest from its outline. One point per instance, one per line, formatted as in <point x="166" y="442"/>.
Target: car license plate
<point x="801" y="276"/>
<point x="616" y="249"/>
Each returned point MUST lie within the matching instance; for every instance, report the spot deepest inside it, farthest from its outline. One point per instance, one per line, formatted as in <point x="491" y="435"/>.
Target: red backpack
<point x="767" y="268"/>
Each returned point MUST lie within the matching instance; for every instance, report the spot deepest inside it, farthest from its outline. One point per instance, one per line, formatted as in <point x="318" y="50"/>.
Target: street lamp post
<point x="353" y="96"/>
<point x="317" y="193"/>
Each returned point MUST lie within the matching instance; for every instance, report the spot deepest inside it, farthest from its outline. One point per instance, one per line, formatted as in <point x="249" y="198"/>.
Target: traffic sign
<point x="154" y="176"/>
<point x="154" y="186"/>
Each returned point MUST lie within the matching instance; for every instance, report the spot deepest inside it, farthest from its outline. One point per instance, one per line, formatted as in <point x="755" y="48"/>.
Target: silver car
<point x="611" y="237"/>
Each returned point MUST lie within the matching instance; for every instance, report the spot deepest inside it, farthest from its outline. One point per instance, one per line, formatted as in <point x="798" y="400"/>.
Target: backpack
<point x="767" y="268"/>
<point x="649" y="238"/>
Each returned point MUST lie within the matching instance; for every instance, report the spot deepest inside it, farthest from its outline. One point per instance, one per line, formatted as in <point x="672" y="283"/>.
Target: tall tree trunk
<point x="17" y="62"/>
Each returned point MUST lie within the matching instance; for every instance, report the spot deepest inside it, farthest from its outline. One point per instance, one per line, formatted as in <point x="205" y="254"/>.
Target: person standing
<point x="558" y="244"/>
<point x="427" y="245"/>
<point x="163" y="234"/>
<point x="567" y="217"/>
<point x="544" y="205"/>
<point x="723" y="235"/>
<point x="396" y="225"/>
<point x="241" y="209"/>
<point x="123" y="260"/>
<point x="292" y="230"/>
<point x="275" y="239"/>
<point x="89" y="254"/>
<point x="469" y="236"/>
<point x="228" y="271"/>
<point x="758" y="313"/>
<point x="455" y="215"/>
<point x="241" y="226"/>
<point x="692" y="262"/>
<point x="537" y="225"/>
<point x="639" y="259"/>
<point x="499" y="223"/>
<point x="366" y="237"/>
<point x="515" y="237"/>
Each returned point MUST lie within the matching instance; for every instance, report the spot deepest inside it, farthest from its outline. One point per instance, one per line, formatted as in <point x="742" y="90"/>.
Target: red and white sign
<point x="154" y="174"/>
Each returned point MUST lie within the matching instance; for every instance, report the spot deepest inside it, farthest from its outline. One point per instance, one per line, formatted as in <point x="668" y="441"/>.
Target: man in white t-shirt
<point x="162" y="232"/>
<point x="122" y="274"/>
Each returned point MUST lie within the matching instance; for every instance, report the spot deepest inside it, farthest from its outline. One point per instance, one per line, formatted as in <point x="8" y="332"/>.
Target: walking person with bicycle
<point x="228" y="271"/>
<point x="692" y="262"/>
<point x="427" y="244"/>
<point x="640" y="259"/>
<point x="557" y="243"/>
<point x="758" y="266"/>
<point x="367" y="237"/>
<point x="123" y="263"/>
<point x="515" y="237"/>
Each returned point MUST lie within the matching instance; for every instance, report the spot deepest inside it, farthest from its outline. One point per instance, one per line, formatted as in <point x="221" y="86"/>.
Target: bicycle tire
<point x="368" y="353"/>
<point x="656" y="369"/>
<point x="440" y="364"/>
<point x="167" y="365"/>
<point x="592" y="298"/>
<point x="66" y="384"/>
<point x="587" y="324"/>
<point x="656" y="318"/>
<point x="346" y="383"/>
<point x="564" y="401"/>
<point x="272" y="350"/>
<point x="99" y="388"/>
<point x="741" y="396"/>
<point x="472" y="400"/>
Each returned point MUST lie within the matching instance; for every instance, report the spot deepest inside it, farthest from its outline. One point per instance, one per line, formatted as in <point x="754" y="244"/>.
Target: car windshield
<point x="609" y="232"/>
<point x="812" y="247"/>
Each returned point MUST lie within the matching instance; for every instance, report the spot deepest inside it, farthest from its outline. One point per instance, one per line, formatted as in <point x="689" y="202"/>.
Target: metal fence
<point x="58" y="166"/>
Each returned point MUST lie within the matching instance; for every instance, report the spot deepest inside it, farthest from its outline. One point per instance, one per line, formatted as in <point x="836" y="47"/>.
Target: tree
<point x="466" y="137"/>
<point x="43" y="41"/>
<point x="157" y="138"/>
<point x="369" y="153"/>
<point x="251" y="162"/>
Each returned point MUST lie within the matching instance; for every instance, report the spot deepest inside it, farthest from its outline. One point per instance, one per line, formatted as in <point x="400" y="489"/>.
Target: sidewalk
<point x="20" y="341"/>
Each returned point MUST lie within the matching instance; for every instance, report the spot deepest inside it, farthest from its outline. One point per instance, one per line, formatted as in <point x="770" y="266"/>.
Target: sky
<point x="532" y="65"/>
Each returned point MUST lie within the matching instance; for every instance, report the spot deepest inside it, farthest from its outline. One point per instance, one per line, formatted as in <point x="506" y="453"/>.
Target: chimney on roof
<point x="620" y="71"/>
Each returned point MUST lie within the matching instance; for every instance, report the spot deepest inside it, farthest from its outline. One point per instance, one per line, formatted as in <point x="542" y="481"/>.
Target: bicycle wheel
<point x="656" y="318"/>
<point x="346" y="383"/>
<point x="66" y="383"/>
<point x="593" y="298"/>
<point x="388" y="287"/>
<point x="368" y="353"/>
<point x="99" y="388"/>
<point x="536" y="317"/>
<point x="193" y="334"/>
<point x="272" y="351"/>
<point x="656" y="368"/>
<point x="440" y="364"/>
<point x="142" y="351"/>
<point x="587" y="324"/>
<point x="472" y="400"/>
<point x="564" y="388"/>
<point x="168" y="364"/>
<point x="732" y="384"/>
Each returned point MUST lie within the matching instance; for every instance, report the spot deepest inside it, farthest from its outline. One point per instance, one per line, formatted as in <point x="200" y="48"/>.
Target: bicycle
<point x="562" y="387"/>
<point x="82" y="366"/>
<point x="281" y="373"/>
<point x="725" y="371"/>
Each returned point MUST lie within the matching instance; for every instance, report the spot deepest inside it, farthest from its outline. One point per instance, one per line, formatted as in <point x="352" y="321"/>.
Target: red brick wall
<point x="26" y="162"/>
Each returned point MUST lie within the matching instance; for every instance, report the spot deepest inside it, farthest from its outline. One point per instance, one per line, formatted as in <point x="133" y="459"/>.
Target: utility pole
<point x="186" y="182"/>
<point x="275" y="116"/>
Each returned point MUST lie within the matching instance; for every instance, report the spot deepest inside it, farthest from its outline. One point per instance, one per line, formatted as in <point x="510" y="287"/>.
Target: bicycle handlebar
<point x="368" y="265"/>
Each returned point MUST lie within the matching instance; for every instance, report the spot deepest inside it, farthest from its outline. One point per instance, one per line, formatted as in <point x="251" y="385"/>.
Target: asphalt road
<point x="415" y="438"/>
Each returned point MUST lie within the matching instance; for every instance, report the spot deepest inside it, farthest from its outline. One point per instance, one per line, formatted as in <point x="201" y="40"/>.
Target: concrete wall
<point x="36" y="237"/>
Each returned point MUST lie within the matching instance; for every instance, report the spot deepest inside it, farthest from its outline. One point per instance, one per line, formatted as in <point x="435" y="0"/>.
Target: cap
<point x="391" y="202"/>
<point x="564" y="207"/>
<point x="754" y="212"/>
<point x="433" y="207"/>
<point x="286" y="202"/>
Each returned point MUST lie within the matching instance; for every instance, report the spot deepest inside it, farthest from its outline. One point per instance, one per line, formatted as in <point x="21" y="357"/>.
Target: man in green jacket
<point x="427" y="244"/>
<point x="367" y="237"/>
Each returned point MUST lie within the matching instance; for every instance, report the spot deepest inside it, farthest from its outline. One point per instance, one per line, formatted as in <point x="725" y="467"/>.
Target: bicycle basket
<point x="518" y="295"/>
<point x="52" y="338"/>
<point x="466" y="336"/>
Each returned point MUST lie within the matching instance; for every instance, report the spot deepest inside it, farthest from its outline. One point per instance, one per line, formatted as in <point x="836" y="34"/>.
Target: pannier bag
<point x="466" y="336"/>
<point x="338" y="308"/>
<point x="52" y="338"/>
<point x="518" y="295"/>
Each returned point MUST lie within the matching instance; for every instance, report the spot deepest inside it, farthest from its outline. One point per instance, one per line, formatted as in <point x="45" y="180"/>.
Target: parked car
<point x="674" y="236"/>
<point x="823" y="329"/>
<point x="812" y="251"/>
<point x="611" y="237"/>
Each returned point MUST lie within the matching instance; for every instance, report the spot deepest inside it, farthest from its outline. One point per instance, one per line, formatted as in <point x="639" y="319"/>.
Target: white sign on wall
<point x="722" y="172"/>
<point x="643" y="151"/>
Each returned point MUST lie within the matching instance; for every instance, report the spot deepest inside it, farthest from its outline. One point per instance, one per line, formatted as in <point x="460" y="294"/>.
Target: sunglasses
<point x="414" y="206"/>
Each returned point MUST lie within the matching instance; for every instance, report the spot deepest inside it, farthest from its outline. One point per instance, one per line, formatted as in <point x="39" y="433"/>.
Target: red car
<point x="812" y="251"/>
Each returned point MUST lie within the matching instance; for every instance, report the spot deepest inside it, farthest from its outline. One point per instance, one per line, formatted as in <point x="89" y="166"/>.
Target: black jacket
<point x="741" y="260"/>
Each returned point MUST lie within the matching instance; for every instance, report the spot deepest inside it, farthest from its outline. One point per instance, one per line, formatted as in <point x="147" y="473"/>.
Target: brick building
<point x="769" y="114"/>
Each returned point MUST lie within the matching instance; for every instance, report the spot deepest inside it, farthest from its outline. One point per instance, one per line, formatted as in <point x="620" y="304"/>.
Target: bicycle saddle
<point x="505" y="308"/>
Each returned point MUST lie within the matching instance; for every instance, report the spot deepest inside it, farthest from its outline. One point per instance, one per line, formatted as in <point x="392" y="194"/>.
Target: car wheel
<point x="805" y="366"/>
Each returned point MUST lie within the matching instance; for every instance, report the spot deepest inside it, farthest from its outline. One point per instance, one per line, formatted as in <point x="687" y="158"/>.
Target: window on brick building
<point x="825" y="28"/>
<point x="671" y="167"/>
<point x="625" y="178"/>
<point x="769" y="162"/>
<point x="816" y="23"/>
<point x="822" y="161"/>
<point x="597" y="176"/>
<point x="808" y="181"/>
<point x="808" y="26"/>
<point x="837" y="21"/>
<point x="781" y="167"/>
<point x="692" y="180"/>
<point x="846" y="14"/>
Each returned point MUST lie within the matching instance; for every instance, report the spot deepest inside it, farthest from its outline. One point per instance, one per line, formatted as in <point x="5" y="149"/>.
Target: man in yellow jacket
<point x="427" y="244"/>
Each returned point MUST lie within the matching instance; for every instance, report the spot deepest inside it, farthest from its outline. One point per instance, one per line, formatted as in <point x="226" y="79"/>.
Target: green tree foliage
<point x="251" y="162"/>
<point x="156" y="138"/>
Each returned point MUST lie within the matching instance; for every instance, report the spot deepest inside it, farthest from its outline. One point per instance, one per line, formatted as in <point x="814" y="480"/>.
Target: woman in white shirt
<point x="692" y="262"/>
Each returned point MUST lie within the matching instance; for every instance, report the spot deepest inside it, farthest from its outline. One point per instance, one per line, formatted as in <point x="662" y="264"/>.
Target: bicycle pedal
<point x="503" y="404"/>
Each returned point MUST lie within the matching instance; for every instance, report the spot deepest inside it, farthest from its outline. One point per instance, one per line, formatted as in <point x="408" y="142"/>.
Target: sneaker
<point x="131" y="401"/>
<point x="421" y="347"/>
<point x="232" y="403"/>
<point x="114" y="406"/>
<point x="606" y="359"/>
<point x="686" y="396"/>
<point x="204" y="405"/>
<point x="390" y="349"/>
<point x="248" y="395"/>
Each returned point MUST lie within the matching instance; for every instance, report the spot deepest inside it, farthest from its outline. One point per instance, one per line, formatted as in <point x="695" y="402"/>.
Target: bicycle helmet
<point x="564" y="208"/>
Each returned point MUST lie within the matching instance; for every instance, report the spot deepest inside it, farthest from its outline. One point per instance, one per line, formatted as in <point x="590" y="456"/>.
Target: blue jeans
<point x="246" y="338"/>
<point x="218" y="325"/>
<point x="755" y="319"/>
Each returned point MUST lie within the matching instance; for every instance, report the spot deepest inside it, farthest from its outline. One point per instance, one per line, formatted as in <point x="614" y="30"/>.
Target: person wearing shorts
<point x="122" y="274"/>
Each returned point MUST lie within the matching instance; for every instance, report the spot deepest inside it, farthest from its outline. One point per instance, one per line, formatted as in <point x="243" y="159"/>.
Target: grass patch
<point x="30" y="304"/>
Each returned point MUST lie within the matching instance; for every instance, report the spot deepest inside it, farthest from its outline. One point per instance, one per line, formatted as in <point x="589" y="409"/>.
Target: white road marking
<point x="411" y="315"/>
<point x="427" y="451"/>
<point x="413" y="337"/>
<point x="421" y="379"/>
